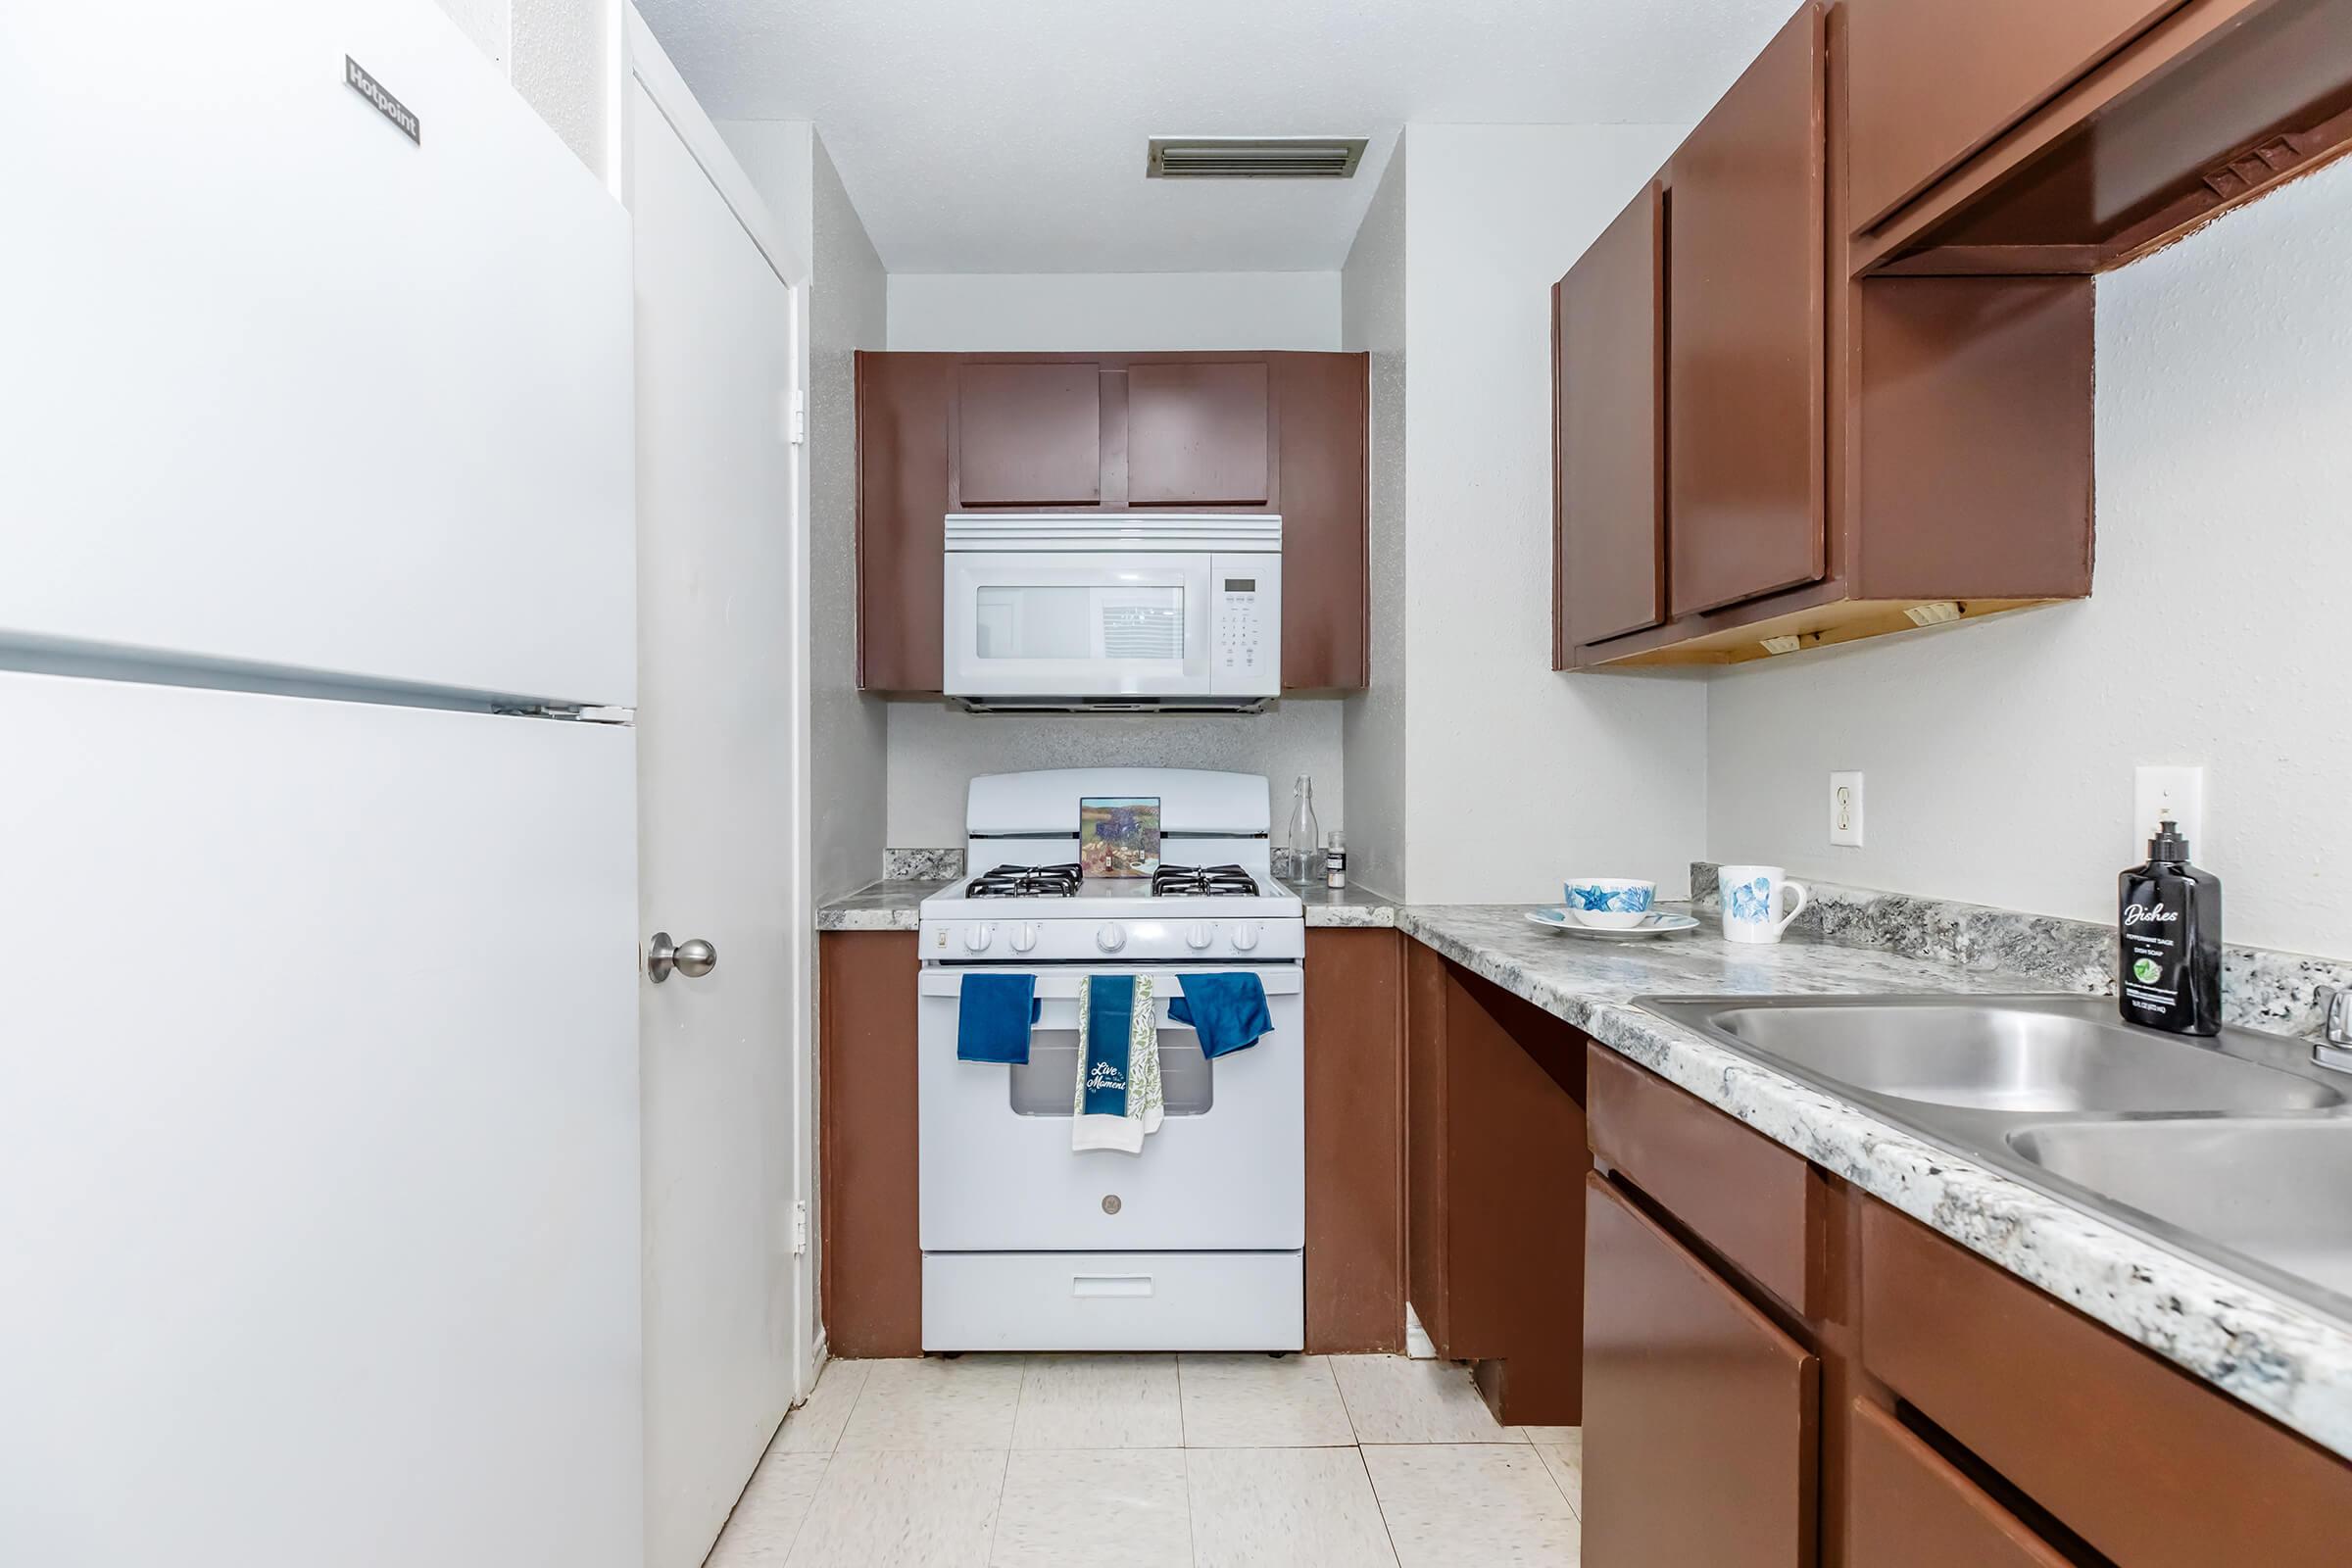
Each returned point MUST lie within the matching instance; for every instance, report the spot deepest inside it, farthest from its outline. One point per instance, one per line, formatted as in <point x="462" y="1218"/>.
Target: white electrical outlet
<point x="2160" y="791"/>
<point x="1846" y="808"/>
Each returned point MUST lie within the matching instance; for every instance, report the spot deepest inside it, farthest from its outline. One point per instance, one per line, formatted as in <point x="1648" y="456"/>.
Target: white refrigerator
<point x="318" y="1100"/>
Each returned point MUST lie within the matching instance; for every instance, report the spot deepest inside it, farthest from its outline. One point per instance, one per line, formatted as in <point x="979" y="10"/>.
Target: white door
<point x="318" y="1134"/>
<point x="283" y="387"/>
<point x="720" y="623"/>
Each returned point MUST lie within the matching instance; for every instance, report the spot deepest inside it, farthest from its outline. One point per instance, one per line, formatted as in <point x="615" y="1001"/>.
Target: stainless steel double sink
<point x="2236" y="1151"/>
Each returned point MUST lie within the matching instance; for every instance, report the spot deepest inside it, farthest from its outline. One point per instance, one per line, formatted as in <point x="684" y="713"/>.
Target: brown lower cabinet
<point x="869" y="1254"/>
<point x="1689" y="1381"/>
<point x="1496" y="1167"/>
<point x="1781" y="1369"/>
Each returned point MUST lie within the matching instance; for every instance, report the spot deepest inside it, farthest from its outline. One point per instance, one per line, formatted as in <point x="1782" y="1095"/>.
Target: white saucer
<point x="1660" y="923"/>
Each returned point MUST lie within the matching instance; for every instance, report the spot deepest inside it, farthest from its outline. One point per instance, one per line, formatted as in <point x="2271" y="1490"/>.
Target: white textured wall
<point x="1373" y="728"/>
<point x="935" y="751"/>
<point x="2000" y="757"/>
<point x="978" y="313"/>
<point x="486" y="23"/>
<point x="561" y="57"/>
<point x="844" y="309"/>
<point x="1516" y="777"/>
<point x="849" y="735"/>
<point x="779" y="158"/>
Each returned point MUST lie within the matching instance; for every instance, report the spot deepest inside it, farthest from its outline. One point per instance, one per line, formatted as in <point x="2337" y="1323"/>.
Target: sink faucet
<point x="2334" y="1048"/>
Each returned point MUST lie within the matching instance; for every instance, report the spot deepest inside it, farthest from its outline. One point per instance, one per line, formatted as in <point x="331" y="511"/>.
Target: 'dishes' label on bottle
<point x="2153" y="925"/>
<point x="2169" y="947"/>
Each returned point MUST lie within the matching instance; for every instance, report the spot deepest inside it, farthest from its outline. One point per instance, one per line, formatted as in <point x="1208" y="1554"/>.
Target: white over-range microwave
<point x="1107" y="611"/>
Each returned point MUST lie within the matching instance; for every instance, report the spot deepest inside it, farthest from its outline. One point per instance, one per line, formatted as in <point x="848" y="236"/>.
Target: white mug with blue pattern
<point x="1751" y="901"/>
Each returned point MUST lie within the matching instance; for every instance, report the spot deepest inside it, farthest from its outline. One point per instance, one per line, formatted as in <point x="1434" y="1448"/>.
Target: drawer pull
<point x="1111" y="1285"/>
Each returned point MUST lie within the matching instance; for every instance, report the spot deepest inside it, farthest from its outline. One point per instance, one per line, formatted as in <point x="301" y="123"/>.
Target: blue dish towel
<point x="993" y="1015"/>
<point x="1228" y="1011"/>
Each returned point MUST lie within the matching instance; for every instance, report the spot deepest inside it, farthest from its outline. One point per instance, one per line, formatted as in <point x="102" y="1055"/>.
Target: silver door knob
<point x="693" y="960"/>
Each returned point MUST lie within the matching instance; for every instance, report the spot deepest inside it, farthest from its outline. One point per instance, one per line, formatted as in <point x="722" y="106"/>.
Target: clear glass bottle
<point x="1305" y="836"/>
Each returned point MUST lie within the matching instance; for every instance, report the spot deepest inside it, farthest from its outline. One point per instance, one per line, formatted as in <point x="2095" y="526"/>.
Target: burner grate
<point x="1025" y="882"/>
<point x="1203" y="882"/>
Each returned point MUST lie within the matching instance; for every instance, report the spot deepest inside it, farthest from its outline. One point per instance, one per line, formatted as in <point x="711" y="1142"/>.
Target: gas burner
<point x="1201" y="882"/>
<point x="1025" y="882"/>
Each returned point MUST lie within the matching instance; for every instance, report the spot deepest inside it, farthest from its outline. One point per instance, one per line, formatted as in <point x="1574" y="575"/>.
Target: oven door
<point x="1226" y="1172"/>
<point x="1044" y="623"/>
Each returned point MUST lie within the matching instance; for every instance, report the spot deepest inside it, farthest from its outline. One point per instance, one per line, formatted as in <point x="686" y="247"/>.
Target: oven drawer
<point x="1113" y="1301"/>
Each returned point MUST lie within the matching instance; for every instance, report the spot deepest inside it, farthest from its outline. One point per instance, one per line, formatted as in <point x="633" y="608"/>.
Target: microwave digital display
<point x="1241" y="585"/>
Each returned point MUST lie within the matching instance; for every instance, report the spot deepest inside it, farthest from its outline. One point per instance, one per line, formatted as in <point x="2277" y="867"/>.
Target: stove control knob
<point x="1197" y="935"/>
<point x="1110" y="936"/>
<point x="1024" y="936"/>
<point x="976" y="937"/>
<point x="1245" y="935"/>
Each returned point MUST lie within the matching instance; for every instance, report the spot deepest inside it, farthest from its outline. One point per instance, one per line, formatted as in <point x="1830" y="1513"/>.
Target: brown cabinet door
<point x="905" y="405"/>
<point x="1322" y="404"/>
<point x="1929" y="81"/>
<point x="1028" y="435"/>
<point x="1744" y="451"/>
<point x="1200" y="435"/>
<point x="1700" y="1416"/>
<point x="1905" y="1504"/>
<point x="1609" y="441"/>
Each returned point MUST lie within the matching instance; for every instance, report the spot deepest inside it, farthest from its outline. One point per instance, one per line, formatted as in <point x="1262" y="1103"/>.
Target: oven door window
<point x="1047" y="1085"/>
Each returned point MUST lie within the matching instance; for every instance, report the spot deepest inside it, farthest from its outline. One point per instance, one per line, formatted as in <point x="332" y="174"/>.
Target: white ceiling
<point x="1008" y="135"/>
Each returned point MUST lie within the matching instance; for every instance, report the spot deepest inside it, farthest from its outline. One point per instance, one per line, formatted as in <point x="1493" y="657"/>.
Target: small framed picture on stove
<point x="1118" y="835"/>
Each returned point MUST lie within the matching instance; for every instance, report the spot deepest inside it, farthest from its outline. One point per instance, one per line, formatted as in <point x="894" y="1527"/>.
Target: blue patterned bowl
<point x="1610" y="902"/>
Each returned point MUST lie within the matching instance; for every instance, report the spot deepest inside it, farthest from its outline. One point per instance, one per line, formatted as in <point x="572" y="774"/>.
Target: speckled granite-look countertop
<point x="894" y="905"/>
<point x="2283" y="1359"/>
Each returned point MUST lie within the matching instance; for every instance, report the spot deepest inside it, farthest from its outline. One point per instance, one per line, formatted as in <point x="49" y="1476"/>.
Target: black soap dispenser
<point x="2169" y="937"/>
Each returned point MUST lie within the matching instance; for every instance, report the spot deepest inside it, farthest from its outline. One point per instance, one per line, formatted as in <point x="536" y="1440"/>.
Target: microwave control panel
<point x="1246" y="650"/>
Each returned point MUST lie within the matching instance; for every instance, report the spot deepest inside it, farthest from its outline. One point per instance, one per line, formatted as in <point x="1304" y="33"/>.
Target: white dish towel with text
<point x="1117" y="1102"/>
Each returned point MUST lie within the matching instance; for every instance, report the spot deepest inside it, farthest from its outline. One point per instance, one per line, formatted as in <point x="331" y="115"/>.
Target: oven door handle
<point x="1280" y="980"/>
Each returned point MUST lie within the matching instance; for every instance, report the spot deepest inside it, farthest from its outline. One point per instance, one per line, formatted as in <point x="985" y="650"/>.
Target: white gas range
<point x="1193" y="1245"/>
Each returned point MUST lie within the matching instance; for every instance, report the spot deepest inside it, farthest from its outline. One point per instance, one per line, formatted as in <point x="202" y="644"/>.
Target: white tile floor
<point x="1212" y="1462"/>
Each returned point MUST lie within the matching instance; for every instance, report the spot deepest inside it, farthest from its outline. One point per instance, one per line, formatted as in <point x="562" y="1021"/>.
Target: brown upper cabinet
<point x="1877" y="318"/>
<point x="1609" y="322"/>
<point x="1200" y="435"/>
<point x="2003" y="136"/>
<point x="1027" y="435"/>
<point x="1251" y="431"/>
<point x="1744" y="441"/>
<point x="1936" y="81"/>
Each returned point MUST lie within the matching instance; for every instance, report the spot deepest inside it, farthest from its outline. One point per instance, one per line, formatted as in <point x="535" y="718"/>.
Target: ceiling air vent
<point x="1254" y="156"/>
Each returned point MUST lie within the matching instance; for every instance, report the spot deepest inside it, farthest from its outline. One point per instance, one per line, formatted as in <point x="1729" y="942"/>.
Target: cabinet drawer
<point x="1113" y="1301"/>
<point x="1908" y="1506"/>
<point x="2147" y="1464"/>
<point x="1699" y="1413"/>
<point x="1755" y="1202"/>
